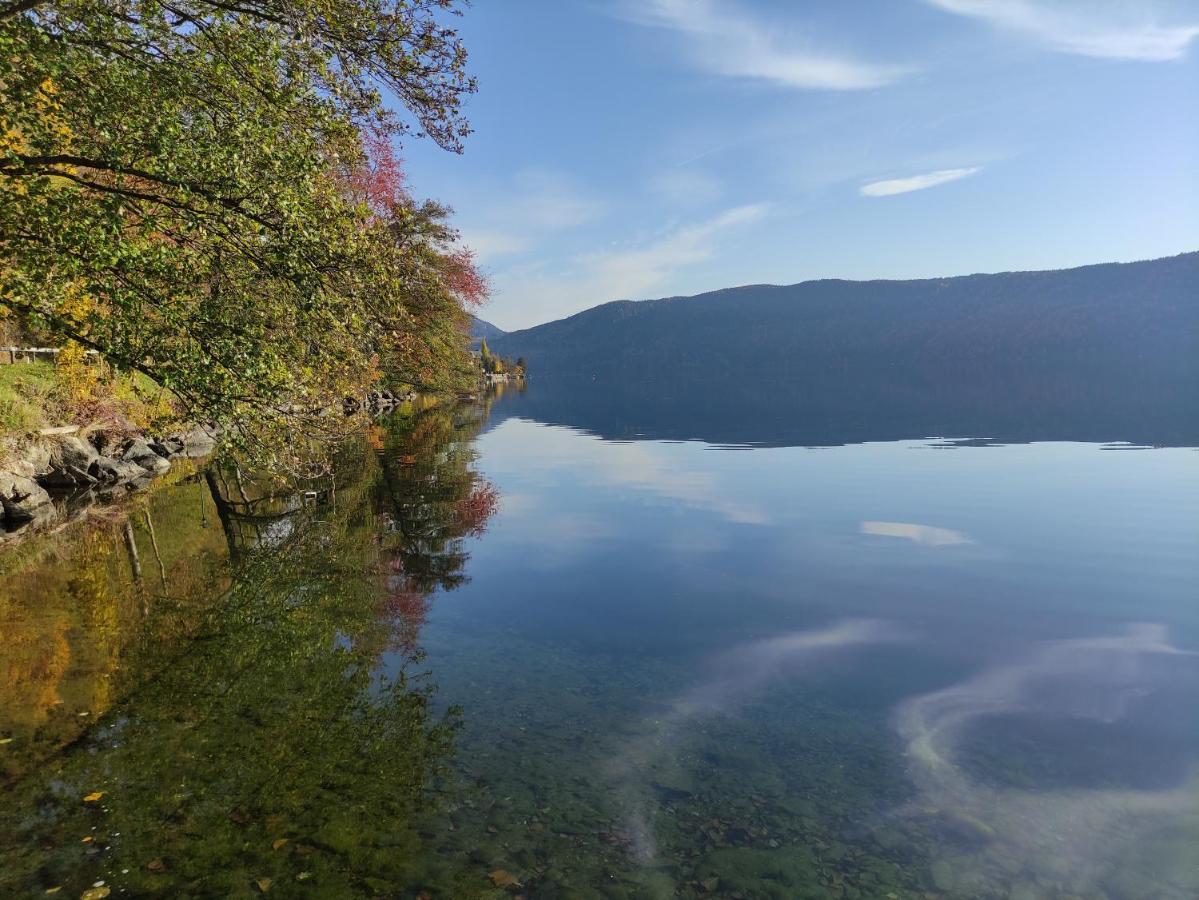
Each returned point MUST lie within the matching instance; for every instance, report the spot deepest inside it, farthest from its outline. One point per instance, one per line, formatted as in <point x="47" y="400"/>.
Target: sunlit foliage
<point x="207" y="192"/>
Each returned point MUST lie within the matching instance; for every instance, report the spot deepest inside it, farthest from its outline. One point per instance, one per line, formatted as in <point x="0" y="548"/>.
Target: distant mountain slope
<point x="480" y="330"/>
<point x="1135" y="324"/>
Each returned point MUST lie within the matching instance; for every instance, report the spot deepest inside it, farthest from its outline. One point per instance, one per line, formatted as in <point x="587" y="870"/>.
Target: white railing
<point x="10" y="355"/>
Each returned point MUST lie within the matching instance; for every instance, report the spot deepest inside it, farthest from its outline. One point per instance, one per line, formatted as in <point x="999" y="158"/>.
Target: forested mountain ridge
<point x="1124" y="321"/>
<point x="481" y="330"/>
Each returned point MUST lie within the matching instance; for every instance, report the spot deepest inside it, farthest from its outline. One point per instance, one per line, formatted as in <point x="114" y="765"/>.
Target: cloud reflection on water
<point x="735" y="676"/>
<point x="929" y="535"/>
<point x="986" y="839"/>
<point x="1055" y="841"/>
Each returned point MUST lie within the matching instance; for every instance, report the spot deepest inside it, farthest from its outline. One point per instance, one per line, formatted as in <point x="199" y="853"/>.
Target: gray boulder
<point x="136" y="449"/>
<point x="155" y="465"/>
<point x="73" y="451"/>
<point x="171" y="445"/>
<point x="106" y="444"/>
<point x="142" y="454"/>
<point x="34" y="460"/>
<point x="23" y="499"/>
<point x="199" y="442"/>
<point x="114" y="471"/>
<point x="65" y="477"/>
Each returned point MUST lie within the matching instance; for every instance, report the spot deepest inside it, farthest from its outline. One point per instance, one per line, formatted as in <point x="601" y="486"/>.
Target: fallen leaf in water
<point x="303" y="876"/>
<point x="264" y="884"/>
<point x="503" y="878"/>
<point x="86" y="839"/>
<point x="279" y="842"/>
<point x="54" y="890"/>
<point x="93" y="796"/>
<point x="156" y="865"/>
<point x="5" y="741"/>
<point x="95" y="893"/>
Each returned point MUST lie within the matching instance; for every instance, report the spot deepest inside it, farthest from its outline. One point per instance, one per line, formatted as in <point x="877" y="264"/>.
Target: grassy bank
<point x="39" y="395"/>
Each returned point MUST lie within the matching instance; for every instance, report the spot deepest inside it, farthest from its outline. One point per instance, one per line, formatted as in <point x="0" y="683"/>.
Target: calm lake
<point x="561" y="645"/>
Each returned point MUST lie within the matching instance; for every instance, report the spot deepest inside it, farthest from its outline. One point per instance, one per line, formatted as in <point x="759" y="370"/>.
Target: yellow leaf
<point x="54" y="890"/>
<point x="276" y="844"/>
<point x="96" y="893"/>
<point x="5" y="740"/>
<point x="93" y="796"/>
<point x="156" y="865"/>
<point x="503" y="878"/>
<point x="87" y="839"/>
<point x="264" y="884"/>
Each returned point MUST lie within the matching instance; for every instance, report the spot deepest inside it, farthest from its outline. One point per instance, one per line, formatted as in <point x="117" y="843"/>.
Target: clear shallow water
<point x="920" y="668"/>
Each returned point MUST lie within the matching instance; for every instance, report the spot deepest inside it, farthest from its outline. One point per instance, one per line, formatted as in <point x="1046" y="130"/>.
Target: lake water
<point x="543" y="650"/>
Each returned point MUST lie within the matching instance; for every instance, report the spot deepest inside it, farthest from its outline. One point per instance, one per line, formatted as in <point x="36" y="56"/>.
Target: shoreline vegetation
<point x="65" y="450"/>
<point x="203" y="210"/>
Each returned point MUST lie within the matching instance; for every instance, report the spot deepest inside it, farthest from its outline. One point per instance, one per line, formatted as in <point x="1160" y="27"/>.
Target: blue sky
<point x="627" y="149"/>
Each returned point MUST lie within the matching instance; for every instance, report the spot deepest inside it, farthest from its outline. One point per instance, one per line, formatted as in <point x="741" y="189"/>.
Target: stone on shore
<point x="114" y="471"/>
<point x="23" y="499"/>
<point x="198" y="442"/>
<point x="65" y="477"/>
<point x="139" y="452"/>
<point x="73" y="452"/>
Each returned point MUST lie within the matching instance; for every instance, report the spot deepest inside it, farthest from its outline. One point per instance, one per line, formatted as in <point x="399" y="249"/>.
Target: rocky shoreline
<point x="63" y="472"/>
<point x="56" y="474"/>
<point x="376" y="402"/>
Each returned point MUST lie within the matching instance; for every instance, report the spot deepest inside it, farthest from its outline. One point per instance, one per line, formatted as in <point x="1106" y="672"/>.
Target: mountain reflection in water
<point x="788" y="413"/>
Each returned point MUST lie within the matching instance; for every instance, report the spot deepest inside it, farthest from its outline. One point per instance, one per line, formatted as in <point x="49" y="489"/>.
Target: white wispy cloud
<point x="534" y="293"/>
<point x="1108" y="29"/>
<point x="489" y="244"/>
<point x="686" y="186"/>
<point x="535" y="203"/>
<point x="892" y="186"/>
<point x="729" y="42"/>
<point x="630" y="273"/>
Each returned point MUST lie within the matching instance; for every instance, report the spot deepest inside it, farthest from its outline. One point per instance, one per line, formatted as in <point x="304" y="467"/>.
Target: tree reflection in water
<point x="251" y="742"/>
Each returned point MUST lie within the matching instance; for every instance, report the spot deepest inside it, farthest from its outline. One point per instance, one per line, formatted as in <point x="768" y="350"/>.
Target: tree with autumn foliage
<point x="439" y="281"/>
<point x="208" y="193"/>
